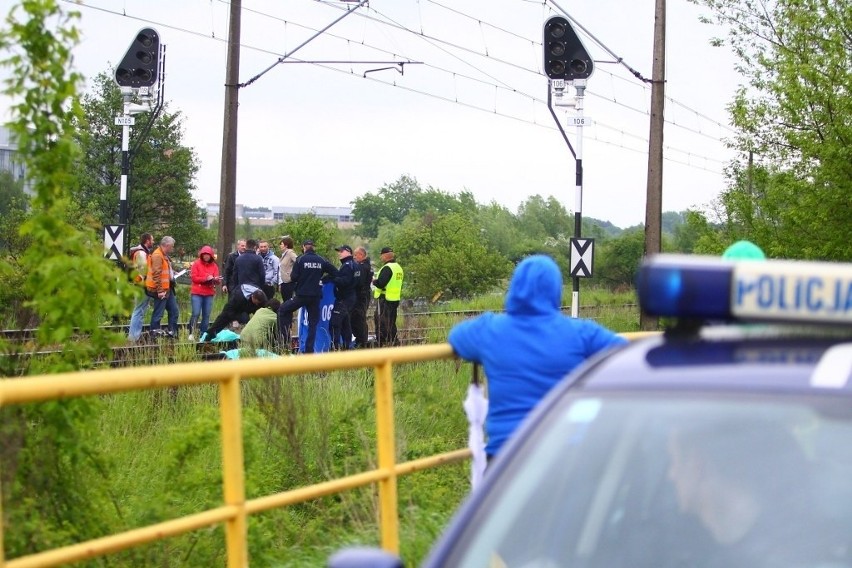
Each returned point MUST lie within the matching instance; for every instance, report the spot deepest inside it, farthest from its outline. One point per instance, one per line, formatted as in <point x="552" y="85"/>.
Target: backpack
<point x="138" y="277"/>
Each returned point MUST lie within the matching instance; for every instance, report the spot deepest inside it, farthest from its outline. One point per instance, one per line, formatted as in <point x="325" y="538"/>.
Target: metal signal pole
<point x="580" y="85"/>
<point x="567" y="62"/>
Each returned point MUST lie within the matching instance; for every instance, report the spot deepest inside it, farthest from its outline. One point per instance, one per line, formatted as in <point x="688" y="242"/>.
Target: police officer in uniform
<point x="388" y="290"/>
<point x="308" y="272"/>
<point x="363" y="278"/>
<point x="344" y="299"/>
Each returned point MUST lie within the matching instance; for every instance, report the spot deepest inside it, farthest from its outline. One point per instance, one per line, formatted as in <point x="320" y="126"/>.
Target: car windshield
<point x="672" y="481"/>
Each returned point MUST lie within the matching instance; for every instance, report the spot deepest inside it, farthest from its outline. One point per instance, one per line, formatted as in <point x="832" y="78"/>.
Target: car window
<point x="669" y="481"/>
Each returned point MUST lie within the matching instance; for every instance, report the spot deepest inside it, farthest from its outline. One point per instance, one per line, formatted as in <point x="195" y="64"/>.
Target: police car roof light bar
<point x="702" y="287"/>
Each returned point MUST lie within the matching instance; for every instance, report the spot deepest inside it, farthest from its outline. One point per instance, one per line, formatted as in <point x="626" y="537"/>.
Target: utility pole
<point x="654" y="195"/>
<point x="228" y="180"/>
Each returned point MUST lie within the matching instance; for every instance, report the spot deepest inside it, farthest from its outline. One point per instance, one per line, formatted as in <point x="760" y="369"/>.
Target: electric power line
<point x="421" y="92"/>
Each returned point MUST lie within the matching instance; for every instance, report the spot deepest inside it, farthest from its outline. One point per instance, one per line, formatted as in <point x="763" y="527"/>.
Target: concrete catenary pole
<point x="654" y="195"/>
<point x="228" y="183"/>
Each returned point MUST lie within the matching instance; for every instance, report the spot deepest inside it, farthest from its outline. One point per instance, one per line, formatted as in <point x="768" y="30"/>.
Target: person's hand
<point x="162" y="294"/>
<point x="209" y="277"/>
<point x="224" y="289"/>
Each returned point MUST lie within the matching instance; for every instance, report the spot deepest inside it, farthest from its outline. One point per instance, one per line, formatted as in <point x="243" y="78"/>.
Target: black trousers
<point x="341" y="323"/>
<point x="285" y="319"/>
<point x="385" y="319"/>
<point x="358" y="315"/>
<point x="287" y="289"/>
<point x="238" y="308"/>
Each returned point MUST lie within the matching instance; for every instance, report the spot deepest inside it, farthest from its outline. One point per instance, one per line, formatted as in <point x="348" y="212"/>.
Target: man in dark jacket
<point x="228" y="275"/>
<point x="344" y="299"/>
<point x="308" y="272"/>
<point x="363" y="278"/>
<point x="249" y="276"/>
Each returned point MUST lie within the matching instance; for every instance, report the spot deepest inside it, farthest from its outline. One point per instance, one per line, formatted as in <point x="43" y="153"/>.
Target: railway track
<point x="409" y="317"/>
<point x="17" y="347"/>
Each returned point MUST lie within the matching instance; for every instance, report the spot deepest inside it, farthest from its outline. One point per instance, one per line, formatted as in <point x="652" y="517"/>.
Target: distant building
<point x="9" y="159"/>
<point x="267" y="216"/>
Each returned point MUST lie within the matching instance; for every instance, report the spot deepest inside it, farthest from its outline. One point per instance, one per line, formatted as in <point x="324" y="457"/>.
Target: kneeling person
<point x="261" y="331"/>
<point x="238" y="304"/>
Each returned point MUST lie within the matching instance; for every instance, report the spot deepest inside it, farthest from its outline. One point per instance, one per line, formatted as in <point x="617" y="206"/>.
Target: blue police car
<point x="724" y="442"/>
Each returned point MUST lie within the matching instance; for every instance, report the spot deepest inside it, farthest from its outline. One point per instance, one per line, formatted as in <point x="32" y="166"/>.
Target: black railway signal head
<point x="564" y="54"/>
<point x="141" y="63"/>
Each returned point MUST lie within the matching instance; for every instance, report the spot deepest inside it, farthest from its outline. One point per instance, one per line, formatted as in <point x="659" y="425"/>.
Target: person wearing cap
<point x="307" y="273"/>
<point x="363" y="278"/>
<point x="340" y="325"/>
<point x="388" y="291"/>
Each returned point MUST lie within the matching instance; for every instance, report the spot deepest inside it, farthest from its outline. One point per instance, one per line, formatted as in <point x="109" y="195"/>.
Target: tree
<point x="160" y="183"/>
<point x="393" y="202"/>
<point x="502" y="232"/>
<point x="794" y="117"/>
<point x="617" y="260"/>
<point x="324" y="233"/>
<point x="13" y="213"/>
<point x="51" y="469"/>
<point x="542" y="218"/>
<point x="457" y="264"/>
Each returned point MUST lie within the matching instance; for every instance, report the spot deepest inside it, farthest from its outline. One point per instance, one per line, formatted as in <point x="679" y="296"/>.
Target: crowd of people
<point x="252" y="275"/>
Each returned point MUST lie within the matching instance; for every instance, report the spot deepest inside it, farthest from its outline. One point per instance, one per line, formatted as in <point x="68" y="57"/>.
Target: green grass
<point x="162" y="459"/>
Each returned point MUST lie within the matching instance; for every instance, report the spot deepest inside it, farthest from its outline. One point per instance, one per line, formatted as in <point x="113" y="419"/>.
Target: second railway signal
<point x="140" y="65"/>
<point x="564" y="54"/>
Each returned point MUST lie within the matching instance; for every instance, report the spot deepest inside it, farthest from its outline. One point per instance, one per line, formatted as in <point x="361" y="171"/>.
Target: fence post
<point x="388" y="515"/>
<point x="236" y="529"/>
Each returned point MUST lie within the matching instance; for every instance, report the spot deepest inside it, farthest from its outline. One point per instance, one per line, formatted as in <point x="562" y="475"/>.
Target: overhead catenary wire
<point x="524" y="68"/>
<point x="212" y="36"/>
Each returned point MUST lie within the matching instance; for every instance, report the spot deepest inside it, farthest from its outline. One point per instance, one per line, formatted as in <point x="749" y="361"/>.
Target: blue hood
<point x="536" y="287"/>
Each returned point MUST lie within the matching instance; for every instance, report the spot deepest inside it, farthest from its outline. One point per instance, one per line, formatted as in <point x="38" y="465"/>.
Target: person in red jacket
<point x="204" y="273"/>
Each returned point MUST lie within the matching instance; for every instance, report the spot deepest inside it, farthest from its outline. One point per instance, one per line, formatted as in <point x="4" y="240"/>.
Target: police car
<point x="724" y="442"/>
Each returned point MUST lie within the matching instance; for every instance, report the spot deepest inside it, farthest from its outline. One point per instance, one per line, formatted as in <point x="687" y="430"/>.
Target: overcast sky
<point x="472" y="116"/>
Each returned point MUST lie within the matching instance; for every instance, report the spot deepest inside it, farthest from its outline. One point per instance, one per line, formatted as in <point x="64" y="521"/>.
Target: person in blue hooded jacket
<point x="529" y="348"/>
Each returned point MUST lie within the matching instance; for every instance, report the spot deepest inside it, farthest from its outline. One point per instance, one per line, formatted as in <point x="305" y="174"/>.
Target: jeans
<point x="169" y="304"/>
<point x="201" y="305"/>
<point x="138" y="316"/>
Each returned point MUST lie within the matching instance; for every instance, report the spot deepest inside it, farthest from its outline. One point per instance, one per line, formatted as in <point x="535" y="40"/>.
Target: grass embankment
<point x="164" y="457"/>
<point x="298" y="431"/>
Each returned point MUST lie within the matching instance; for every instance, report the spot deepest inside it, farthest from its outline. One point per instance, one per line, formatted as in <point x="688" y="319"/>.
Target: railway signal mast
<point x="139" y="76"/>
<point x="567" y="63"/>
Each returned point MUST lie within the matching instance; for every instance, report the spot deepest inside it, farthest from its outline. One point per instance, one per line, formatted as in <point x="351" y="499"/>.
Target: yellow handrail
<point x="229" y="374"/>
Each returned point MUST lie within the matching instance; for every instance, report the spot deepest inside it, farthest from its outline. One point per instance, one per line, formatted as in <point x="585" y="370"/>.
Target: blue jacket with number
<point x="527" y="350"/>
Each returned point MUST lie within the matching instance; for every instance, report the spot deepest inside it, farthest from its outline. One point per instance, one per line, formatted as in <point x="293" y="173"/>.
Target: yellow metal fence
<point x="235" y="508"/>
